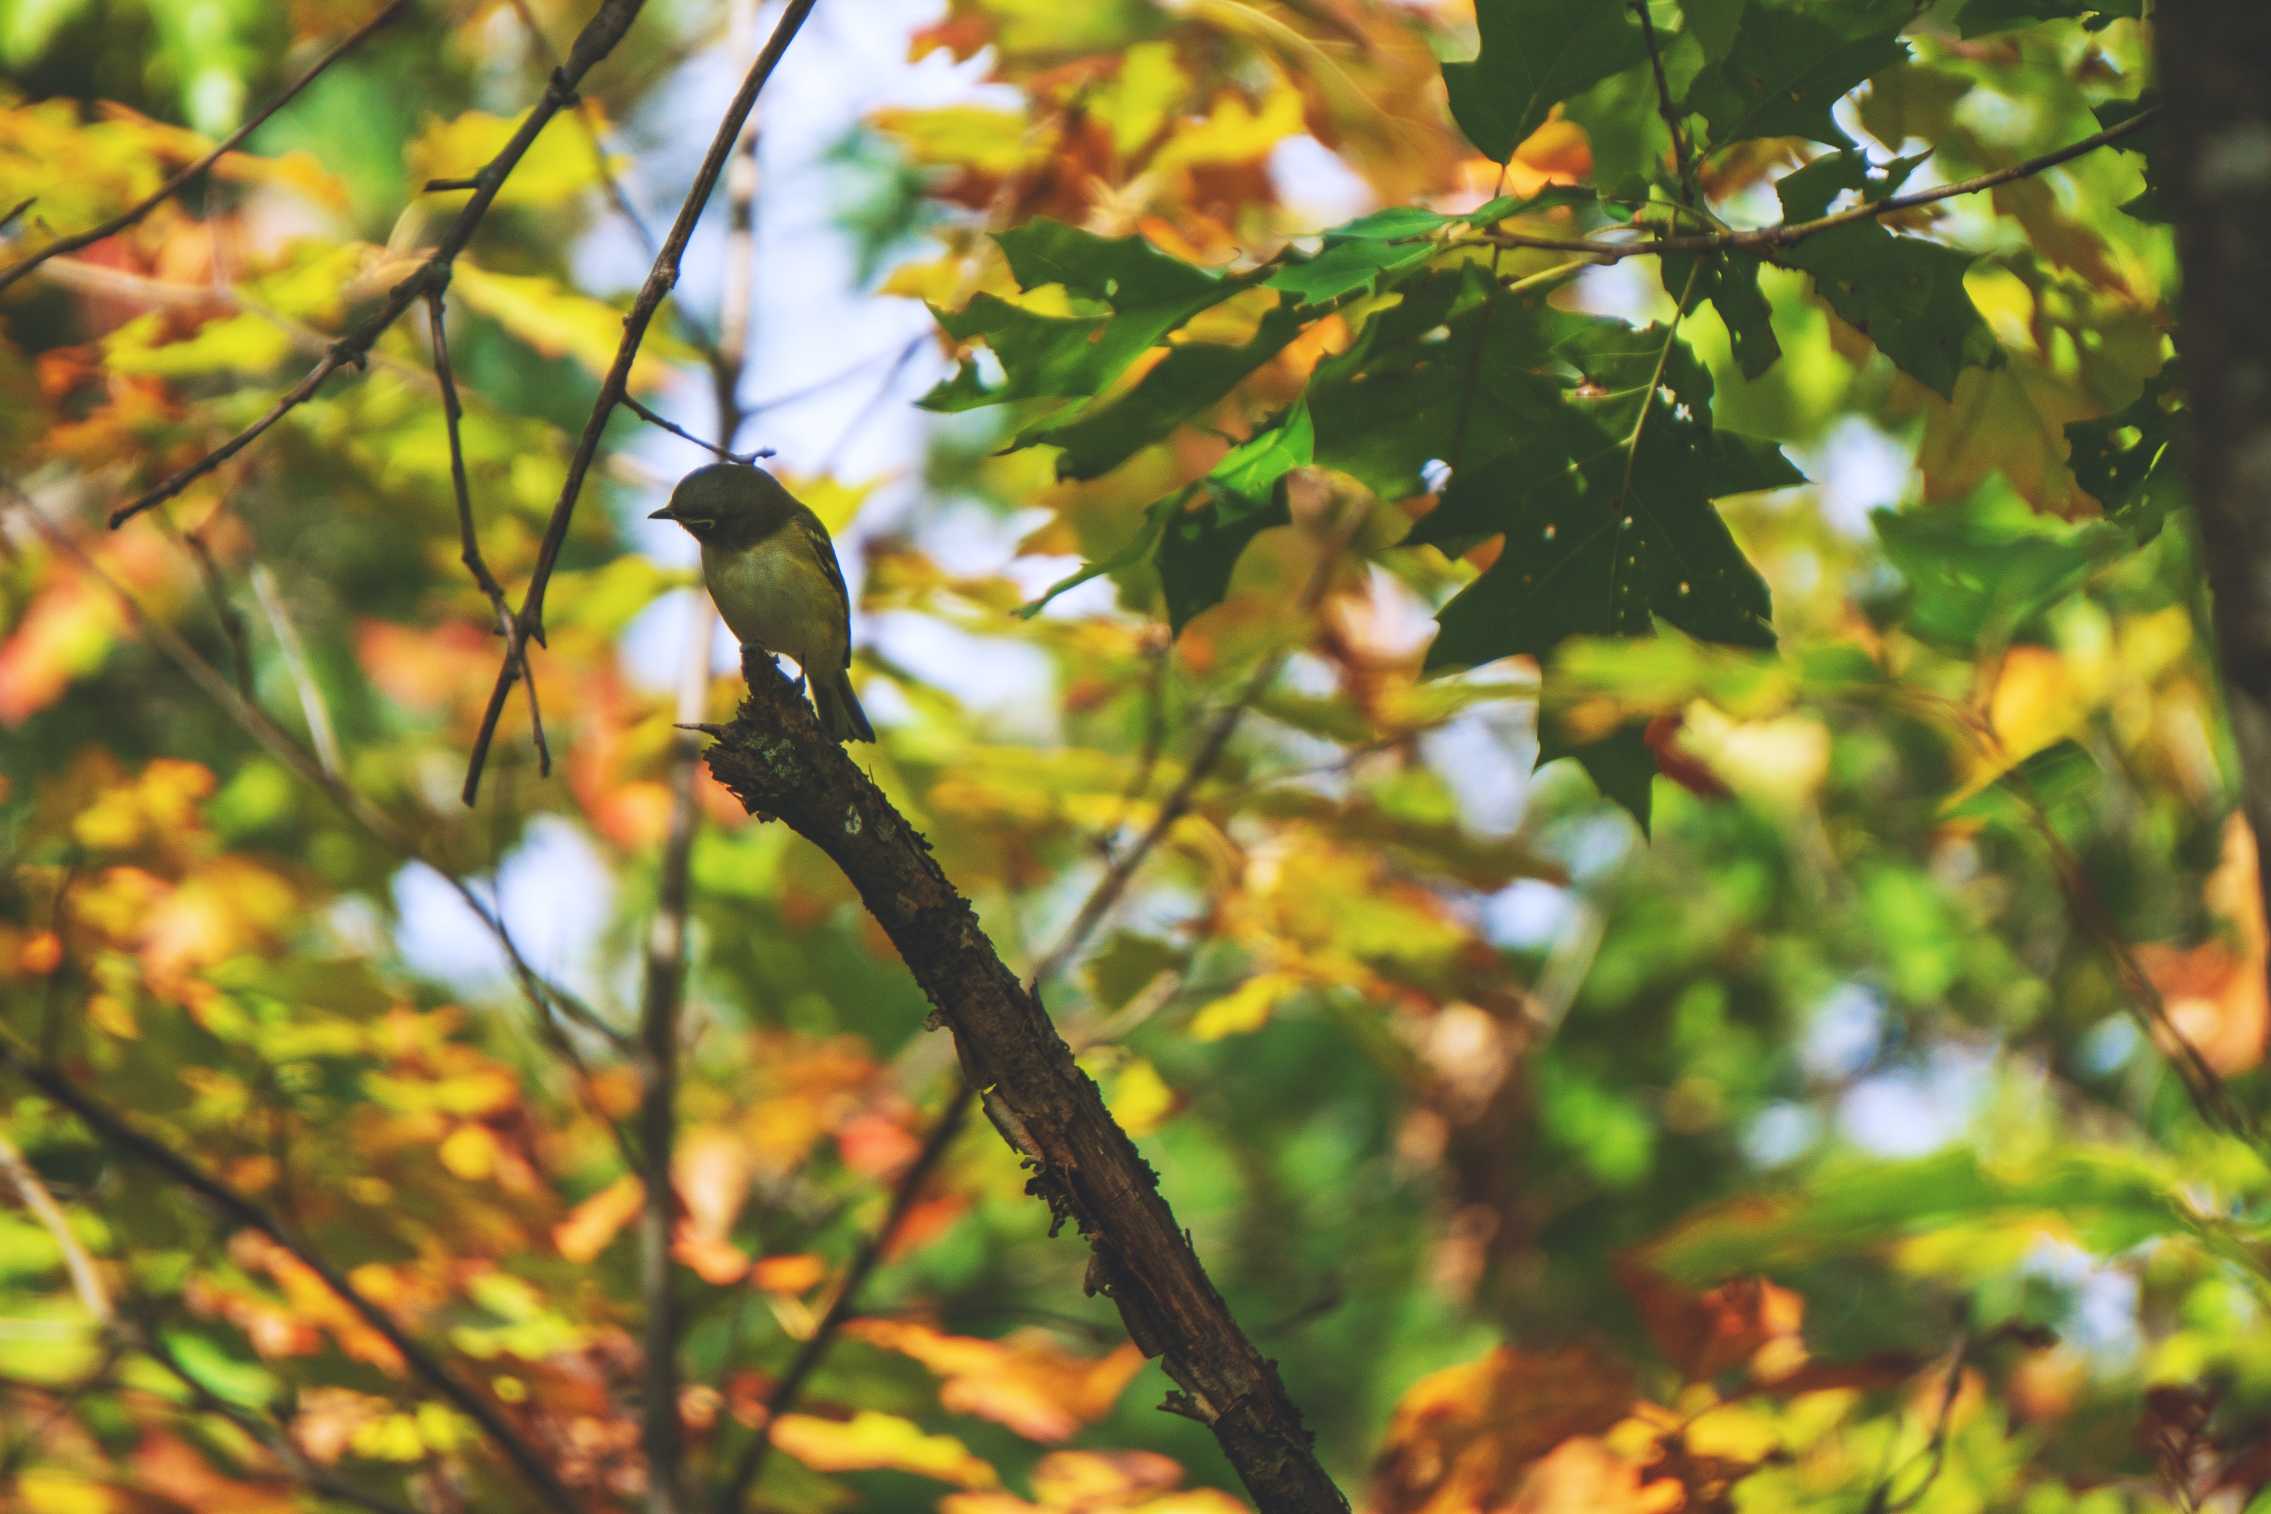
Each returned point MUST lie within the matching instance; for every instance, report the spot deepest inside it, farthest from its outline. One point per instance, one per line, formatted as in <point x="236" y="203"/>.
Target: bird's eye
<point x="699" y="525"/>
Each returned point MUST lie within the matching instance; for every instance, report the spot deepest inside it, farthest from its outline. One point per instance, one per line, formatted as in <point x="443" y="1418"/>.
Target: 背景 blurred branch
<point x="597" y="39"/>
<point x="198" y="169"/>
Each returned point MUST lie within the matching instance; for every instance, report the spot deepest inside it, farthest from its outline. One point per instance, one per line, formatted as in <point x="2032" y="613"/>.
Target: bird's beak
<point x="667" y="512"/>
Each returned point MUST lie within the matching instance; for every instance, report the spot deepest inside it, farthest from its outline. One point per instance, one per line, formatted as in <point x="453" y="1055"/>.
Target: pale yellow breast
<point x="771" y="596"/>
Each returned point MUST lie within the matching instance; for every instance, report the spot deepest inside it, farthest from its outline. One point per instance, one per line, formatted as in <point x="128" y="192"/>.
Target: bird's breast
<point x="771" y="596"/>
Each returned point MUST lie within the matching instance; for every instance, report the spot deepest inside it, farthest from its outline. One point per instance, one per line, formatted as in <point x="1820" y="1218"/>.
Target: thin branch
<point x="661" y="278"/>
<point x="546" y="998"/>
<point x="843" y="1304"/>
<point x="217" y="595"/>
<point x="584" y="118"/>
<point x="1768" y="238"/>
<point x="124" y="1138"/>
<point x="653" y="418"/>
<point x="8" y="217"/>
<point x="313" y="708"/>
<point x="86" y="1281"/>
<point x="468" y="539"/>
<point x="311" y="1473"/>
<point x="594" y="42"/>
<point x="662" y="995"/>
<point x="198" y="169"/>
<point x="1664" y="105"/>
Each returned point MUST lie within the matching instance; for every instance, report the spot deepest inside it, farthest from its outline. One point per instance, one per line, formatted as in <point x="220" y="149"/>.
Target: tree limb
<point x="1768" y="238"/>
<point x="2216" y="181"/>
<point x="777" y="762"/>
<point x="198" y="169"/>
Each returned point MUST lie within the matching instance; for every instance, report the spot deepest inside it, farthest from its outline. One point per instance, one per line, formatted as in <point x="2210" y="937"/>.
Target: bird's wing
<point x="824" y="549"/>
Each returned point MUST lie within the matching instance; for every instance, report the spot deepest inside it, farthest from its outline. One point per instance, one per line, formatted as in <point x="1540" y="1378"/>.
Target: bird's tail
<point x="839" y="709"/>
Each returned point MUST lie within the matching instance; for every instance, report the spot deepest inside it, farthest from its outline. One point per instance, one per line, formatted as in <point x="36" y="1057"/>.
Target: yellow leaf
<point x="1235" y="132"/>
<point x="869" y="1441"/>
<point x="469" y="1152"/>
<point x="557" y="168"/>
<point x="1246" y="1008"/>
<point x="558" y="322"/>
<point x="45" y="1490"/>
<point x="992" y="141"/>
<point x="1140" y="1097"/>
<point x="246" y="343"/>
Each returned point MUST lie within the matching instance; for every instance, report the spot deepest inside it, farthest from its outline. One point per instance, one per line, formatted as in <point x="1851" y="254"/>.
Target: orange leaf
<point x="588" y="1228"/>
<point x="1463" y="1438"/>
<point x="1026" y="1382"/>
<point x="1703" y="1334"/>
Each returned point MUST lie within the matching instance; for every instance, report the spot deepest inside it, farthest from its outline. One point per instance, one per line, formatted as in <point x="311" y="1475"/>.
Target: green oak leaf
<point x="1729" y="280"/>
<point x="1979" y="574"/>
<point x="1073" y="357"/>
<point x="2124" y="460"/>
<point x="1237" y="501"/>
<point x="1904" y="293"/>
<point x="1191" y="377"/>
<point x="1535" y="54"/>
<point x="1982" y="16"/>
<point x="1620" y="764"/>
<point x="1788" y="64"/>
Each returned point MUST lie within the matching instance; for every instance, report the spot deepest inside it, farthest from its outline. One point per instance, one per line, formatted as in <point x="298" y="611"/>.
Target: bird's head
<point x="728" y="505"/>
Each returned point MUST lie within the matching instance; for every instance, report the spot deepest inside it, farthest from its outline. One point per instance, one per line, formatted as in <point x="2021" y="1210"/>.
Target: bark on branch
<point x="777" y="762"/>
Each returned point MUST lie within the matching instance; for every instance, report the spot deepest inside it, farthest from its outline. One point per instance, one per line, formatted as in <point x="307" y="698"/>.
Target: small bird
<point x="772" y="573"/>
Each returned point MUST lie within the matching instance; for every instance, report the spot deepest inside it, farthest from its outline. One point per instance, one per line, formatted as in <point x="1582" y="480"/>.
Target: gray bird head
<point x="728" y="505"/>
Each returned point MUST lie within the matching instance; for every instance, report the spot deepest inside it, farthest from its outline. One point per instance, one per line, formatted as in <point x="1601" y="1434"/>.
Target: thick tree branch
<point x="2215" y="179"/>
<point x="661" y="279"/>
<point x="594" y="42"/>
<point x="198" y="169"/>
<point x="117" y="1133"/>
<point x="1769" y="238"/>
<point x="777" y="762"/>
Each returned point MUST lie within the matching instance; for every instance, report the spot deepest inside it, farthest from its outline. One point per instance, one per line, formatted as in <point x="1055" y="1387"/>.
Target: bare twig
<point x="468" y="537"/>
<point x="85" y="1280"/>
<point x="1768" y="238"/>
<point x="594" y="42"/>
<point x="313" y="707"/>
<point x="198" y="169"/>
<point x="654" y="418"/>
<point x="1664" y="105"/>
<point x="585" y="118"/>
<point x="217" y="595"/>
<point x="8" y="217"/>
<point x="661" y="278"/>
<point x="663" y="989"/>
<point x="123" y="1138"/>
